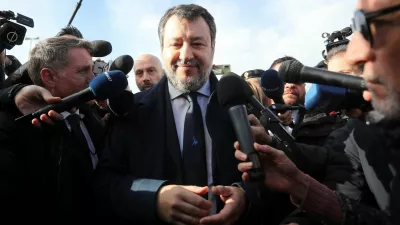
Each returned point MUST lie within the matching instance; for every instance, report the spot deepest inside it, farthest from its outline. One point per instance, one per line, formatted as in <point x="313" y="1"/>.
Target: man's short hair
<point x="70" y="30"/>
<point x="189" y="12"/>
<point x="342" y="49"/>
<point x="335" y="51"/>
<point x="52" y="53"/>
<point x="281" y="60"/>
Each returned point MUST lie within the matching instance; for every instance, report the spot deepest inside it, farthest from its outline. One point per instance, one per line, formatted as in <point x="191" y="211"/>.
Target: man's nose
<point x="186" y="52"/>
<point x="359" y="50"/>
<point x="146" y="77"/>
<point x="290" y="86"/>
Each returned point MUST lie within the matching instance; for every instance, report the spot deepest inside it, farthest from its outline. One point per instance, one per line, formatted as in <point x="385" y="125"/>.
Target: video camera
<point x="335" y="39"/>
<point x="12" y="34"/>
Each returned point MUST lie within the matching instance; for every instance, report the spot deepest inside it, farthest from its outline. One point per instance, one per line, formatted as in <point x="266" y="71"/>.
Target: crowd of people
<point x="172" y="156"/>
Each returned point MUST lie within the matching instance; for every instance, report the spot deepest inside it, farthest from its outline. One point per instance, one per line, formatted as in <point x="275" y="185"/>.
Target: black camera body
<point x="335" y="39"/>
<point x="11" y="33"/>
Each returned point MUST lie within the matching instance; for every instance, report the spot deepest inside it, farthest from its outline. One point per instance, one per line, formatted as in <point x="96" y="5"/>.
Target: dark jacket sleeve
<point x="129" y="198"/>
<point x="11" y="171"/>
<point x="342" y="173"/>
<point x="329" y="165"/>
<point x="7" y="96"/>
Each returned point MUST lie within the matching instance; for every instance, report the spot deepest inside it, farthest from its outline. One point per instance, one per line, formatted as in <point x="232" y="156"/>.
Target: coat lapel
<point x="172" y="137"/>
<point x="156" y="119"/>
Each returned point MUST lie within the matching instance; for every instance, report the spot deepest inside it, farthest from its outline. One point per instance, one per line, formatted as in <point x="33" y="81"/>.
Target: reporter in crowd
<point x="253" y="78"/>
<point x="315" y="127"/>
<point x="148" y="71"/>
<point x="48" y="175"/>
<point x="20" y="73"/>
<point x="293" y="94"/>
<point x="153" y="159"/>
<point x="378" y="50"/>
<point x="337" y="62"/>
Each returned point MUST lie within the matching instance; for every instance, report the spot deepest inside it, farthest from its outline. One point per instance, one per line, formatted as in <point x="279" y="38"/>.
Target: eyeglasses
<point x="362" y="20"/>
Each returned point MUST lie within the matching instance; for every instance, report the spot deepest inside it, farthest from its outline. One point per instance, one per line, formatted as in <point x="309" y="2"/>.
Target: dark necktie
<point x="194" y="146"/>
<point x="79" y="138"/>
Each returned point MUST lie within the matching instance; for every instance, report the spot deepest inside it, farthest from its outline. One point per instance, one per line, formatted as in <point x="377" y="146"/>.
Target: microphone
<point x="123" y="63"/>
<point x="293" y="71"/>
<point x="104" y="86"/>
<point x="101" y="48"/>
<point x="327" y="98"/>
<point x="233" y="93"/>
<point x="272" y="85"/>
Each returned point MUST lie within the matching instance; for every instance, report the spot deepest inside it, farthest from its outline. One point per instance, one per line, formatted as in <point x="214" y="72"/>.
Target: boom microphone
<point x="272" y="86"/>
<point x="101" y="48"/>
<point x="293" y="71"/>
<point x="123" y="63"/>
<point x="233" y="93"/>
<point x="104" y="86"/>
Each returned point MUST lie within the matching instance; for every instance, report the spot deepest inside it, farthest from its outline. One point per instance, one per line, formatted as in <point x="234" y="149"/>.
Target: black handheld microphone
<point x="123" y="63"/>
<point x="101" y="48"/>
<point x="232" y="94"/>
<point x="272" y="86"/>
<point x="105" y="85"/>
<point x="293" y="71"/>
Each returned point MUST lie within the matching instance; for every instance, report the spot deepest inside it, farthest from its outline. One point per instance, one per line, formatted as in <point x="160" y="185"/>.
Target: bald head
<point x="148" y="71"/>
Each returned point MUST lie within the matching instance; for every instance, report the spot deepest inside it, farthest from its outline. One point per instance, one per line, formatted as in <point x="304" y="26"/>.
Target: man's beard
<point x="389" y="106"/>
<point x="188" y="84"/>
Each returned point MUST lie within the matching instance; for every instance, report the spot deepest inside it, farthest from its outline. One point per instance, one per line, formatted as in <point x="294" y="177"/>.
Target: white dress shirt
<point x="86" y="134"/>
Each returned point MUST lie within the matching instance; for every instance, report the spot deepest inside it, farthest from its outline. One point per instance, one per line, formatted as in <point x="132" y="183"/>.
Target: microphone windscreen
<point x="101" y="48"/>
<point x="123" y="63"/>
<point x="289" y="71"/>
<point x="272" y="84"/>
<point x="108" y="84"/>
<point x="233" y="90"/>
<point x="324" y="98"/>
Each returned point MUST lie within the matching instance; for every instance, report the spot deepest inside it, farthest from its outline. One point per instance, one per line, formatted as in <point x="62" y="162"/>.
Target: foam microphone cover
<point x="233" y="90"/>
<point x="272" y="84"/>
<point x="102" y="88"/>
<point x="289" y="71"/>
<point x="101" y="48"/>
<point x="123" y="63"/>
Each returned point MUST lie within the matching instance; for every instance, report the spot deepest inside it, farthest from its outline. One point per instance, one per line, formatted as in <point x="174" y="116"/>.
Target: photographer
<point x="379" y="52"/>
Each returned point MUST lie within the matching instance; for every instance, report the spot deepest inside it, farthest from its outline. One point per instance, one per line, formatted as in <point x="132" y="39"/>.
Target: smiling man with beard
<point x="164" y="162"/>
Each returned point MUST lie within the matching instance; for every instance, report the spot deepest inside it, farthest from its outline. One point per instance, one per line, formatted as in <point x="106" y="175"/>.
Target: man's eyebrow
<point x="196" y="38"/>
<point x="80" y="67"/>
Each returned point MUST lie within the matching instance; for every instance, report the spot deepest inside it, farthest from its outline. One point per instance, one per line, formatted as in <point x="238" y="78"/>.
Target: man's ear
<point x="47" y="76"/>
